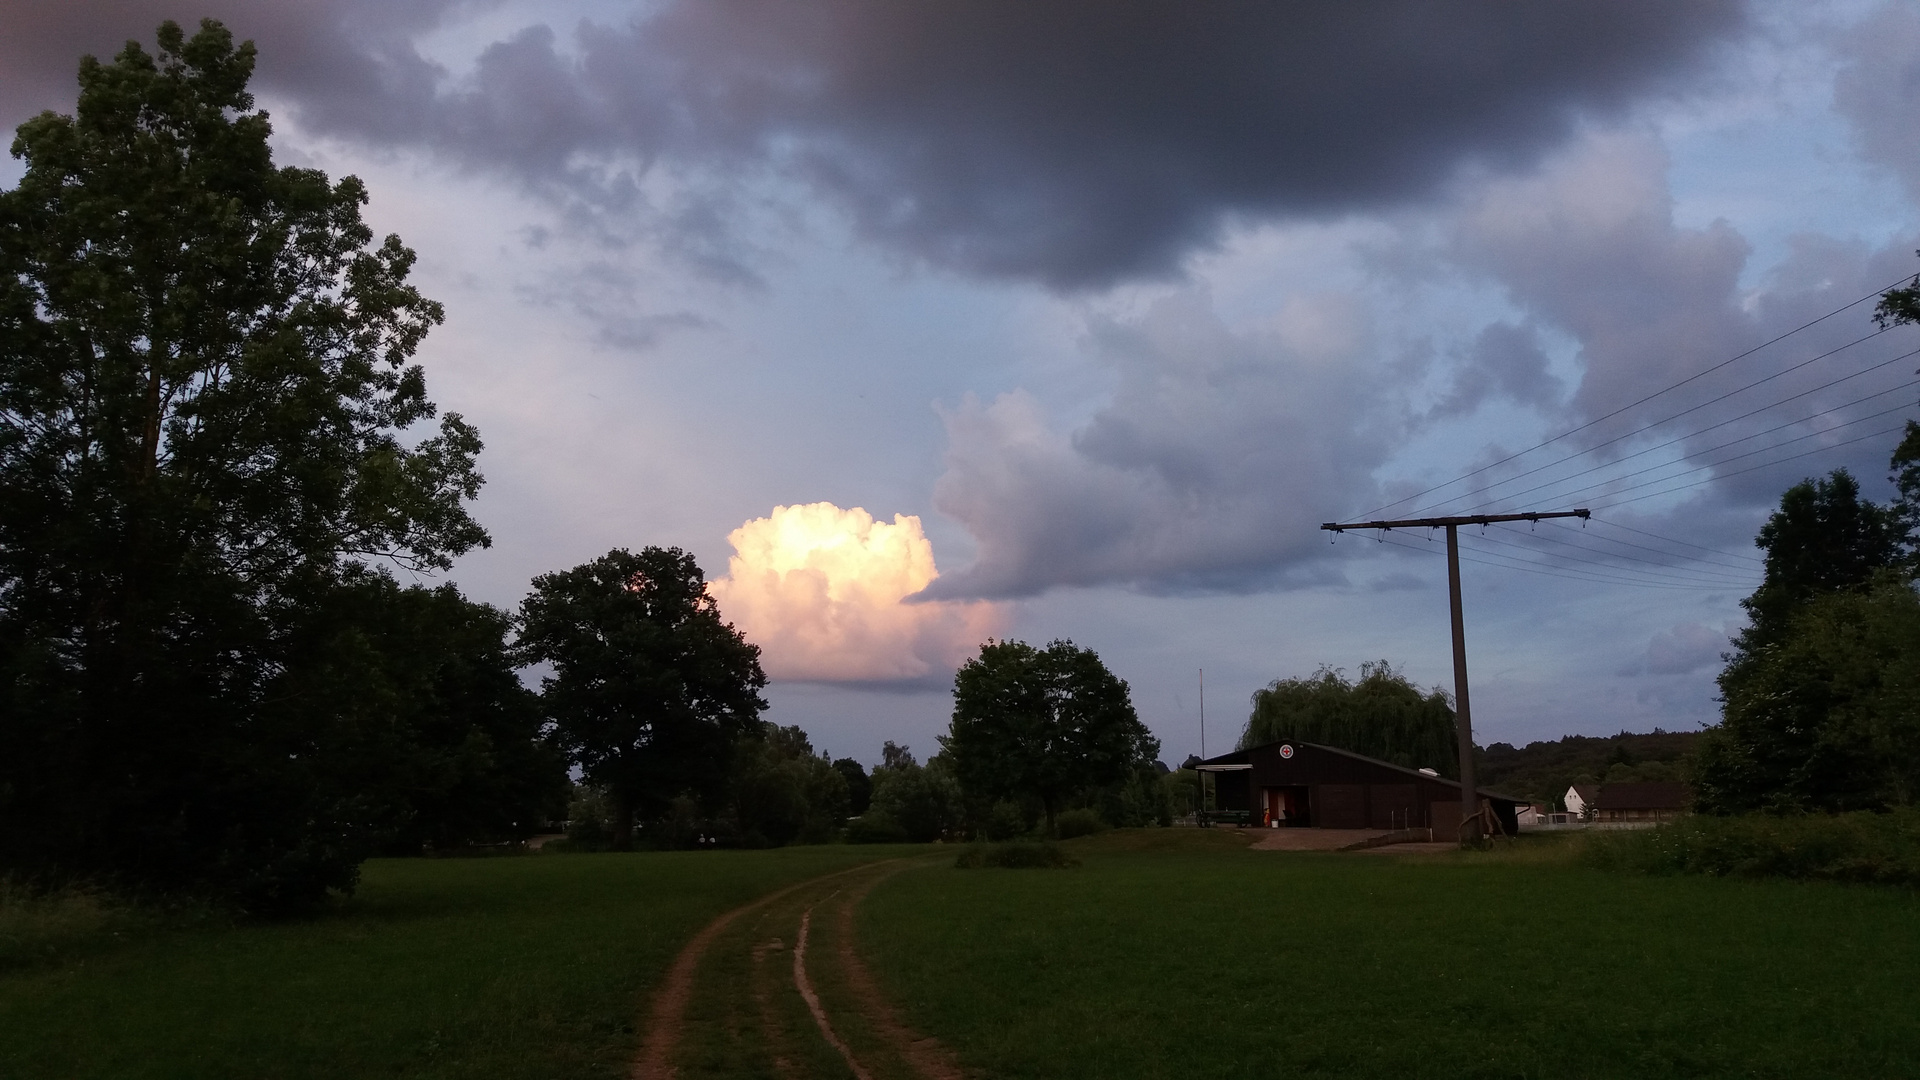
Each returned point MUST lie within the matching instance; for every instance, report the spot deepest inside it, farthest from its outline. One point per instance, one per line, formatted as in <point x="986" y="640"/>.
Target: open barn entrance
<point x="1289" y="807"/>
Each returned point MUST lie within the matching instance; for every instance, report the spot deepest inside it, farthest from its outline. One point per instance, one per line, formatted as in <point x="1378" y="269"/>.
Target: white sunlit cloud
<point x="823" y="592"/>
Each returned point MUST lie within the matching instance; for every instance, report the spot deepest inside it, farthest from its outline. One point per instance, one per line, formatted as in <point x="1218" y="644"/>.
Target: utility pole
<point x="1463" y="713"/>
<point x="1203" y="714"/>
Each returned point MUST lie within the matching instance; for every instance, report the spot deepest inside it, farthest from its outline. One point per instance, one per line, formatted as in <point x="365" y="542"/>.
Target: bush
<point x="923" y="799"/>
<point x="1005" y="821"/>
<point x="1858" y="847"/>
<point x="875" y="827"/>
<point x="1041" y="856"/>
<point x="1075" y="823"/>
<point x="589" y="825"/>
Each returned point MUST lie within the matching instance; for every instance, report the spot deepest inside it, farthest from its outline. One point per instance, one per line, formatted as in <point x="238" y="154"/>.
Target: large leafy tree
<point x="1823" y="539"/>
<point x="1382" y="715"/>
<point x="1044" y="723"/>
<point x="1826" y="715"/>
<point x="207" y="415"/>
<point x="650" y="687"/>
<point x="1817" y="695"/>
<point x="1901" y="307"/>
<point x="419" y="692"/>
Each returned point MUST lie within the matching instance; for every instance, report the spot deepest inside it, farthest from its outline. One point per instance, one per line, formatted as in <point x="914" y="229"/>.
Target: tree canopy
<point x="1824" y="538"/>
<point x="1819" y="695"/>
<point x="1044" y="723"/>
<point x="1382" y="716"/>
<point x="1826" y="714"/>
<point x="208" y="421"/>
<point x="650" y="687"/>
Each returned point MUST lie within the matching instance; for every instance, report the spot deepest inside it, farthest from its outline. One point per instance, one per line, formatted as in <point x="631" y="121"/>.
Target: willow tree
<point x="1382" y="716"/>
<point x="208" y="420"/>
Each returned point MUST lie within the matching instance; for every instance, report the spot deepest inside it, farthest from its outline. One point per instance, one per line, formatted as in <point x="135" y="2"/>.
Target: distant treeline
<point x="1542" y="771"/>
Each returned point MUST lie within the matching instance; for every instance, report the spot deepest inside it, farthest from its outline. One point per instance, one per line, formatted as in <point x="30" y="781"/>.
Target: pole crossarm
<point x="1449" y="522"/>
<point x="1471" y="821"/>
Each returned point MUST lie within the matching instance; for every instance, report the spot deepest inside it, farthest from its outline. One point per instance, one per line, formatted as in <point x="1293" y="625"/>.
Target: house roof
<point x="1587" y="792"/>
<point x="1238" y="756"/>
<point x="1645" y="796"/>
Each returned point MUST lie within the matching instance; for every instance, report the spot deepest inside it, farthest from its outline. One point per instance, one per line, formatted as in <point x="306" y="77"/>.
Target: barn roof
<point x="1645" y="796"/>
<point x="1242" y="758"/>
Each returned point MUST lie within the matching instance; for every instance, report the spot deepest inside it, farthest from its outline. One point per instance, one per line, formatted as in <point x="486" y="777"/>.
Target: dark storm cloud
<point x="343" y="57"/>
<point x="1073" y="142"/>
<point x="1219" y="450"/>
<point x="1878" y="88"/>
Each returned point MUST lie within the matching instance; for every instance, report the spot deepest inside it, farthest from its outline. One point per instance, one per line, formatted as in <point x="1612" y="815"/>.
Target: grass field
<point x="1166" y="953"/>
<point x="496" y="968"/>
<point x="1158" y="959"/>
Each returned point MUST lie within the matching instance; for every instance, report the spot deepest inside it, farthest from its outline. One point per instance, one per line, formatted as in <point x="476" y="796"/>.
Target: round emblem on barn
<point x="1286" y="751"/>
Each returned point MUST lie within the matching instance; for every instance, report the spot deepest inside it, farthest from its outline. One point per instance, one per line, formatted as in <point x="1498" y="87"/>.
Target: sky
<point x="923" y="324"/>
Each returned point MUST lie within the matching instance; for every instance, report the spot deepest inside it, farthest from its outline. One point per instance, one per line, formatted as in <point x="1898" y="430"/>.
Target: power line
<point x="1665" y="569"/>
<point x="1755" y="563"/>
<point x="1671" y="576"/>
<point x="1733" y="420"/>
<point x="1649" y="397"/>
<point x="1566" y="575"/>
<point x="1604" y="484"/>
<point x="1671" y="540"/>
<point x="1762" y="465"/>
<point x="1601" y="487"/>
<point x="1696" y="408"/>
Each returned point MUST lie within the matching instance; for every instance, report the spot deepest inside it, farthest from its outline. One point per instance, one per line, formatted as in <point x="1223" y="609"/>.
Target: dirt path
<point x="727" y="976"/>
<point x="928" y="1058"/>
<point x="812" y="998"/>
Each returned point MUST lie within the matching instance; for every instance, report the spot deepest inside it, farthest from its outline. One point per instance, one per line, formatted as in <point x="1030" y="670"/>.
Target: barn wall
<point x="1351" y="792"/>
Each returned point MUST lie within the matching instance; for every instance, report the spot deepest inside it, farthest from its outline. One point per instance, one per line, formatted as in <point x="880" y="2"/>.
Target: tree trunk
<point x="622" y="820"/>
<point x="1052" y="832"/>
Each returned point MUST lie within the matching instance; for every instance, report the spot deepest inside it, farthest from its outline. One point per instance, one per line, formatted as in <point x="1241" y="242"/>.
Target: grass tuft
<point x="1016" y="856"/>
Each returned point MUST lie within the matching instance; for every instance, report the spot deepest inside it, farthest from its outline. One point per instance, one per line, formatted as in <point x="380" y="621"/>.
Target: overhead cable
<point x="1567" y="575"/>
<point x="1657" y="393"/>
<point x="1693" y="409"/>
<point x="1603" y="485"/>
<point x="1908" y="385"/>
<point x="1755" y="468"/>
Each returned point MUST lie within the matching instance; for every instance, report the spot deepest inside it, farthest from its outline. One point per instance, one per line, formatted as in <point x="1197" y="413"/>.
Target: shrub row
<point x="1016" y="856"/>
<point x="1881" y="848"/>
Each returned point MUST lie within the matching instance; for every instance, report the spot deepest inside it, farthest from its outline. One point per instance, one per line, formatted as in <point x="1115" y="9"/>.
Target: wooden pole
<point x="1463" y="713"/>
<point x="1462" y="709"/>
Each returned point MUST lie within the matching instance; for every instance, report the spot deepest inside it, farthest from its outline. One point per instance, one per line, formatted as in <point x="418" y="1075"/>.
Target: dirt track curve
<point x="730" y="1007"/>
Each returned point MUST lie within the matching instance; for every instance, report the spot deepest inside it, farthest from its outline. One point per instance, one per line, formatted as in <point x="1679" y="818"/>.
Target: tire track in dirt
<point x="777" y="1042"/>
<point x="667" y="1015"/>
<point x="805" y="986"/>
<point x="928" y="1057"/>
<point x="917" y="1054"/>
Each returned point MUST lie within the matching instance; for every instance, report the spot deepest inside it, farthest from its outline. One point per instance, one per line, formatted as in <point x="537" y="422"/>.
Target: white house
<point x="1580" y="798"/>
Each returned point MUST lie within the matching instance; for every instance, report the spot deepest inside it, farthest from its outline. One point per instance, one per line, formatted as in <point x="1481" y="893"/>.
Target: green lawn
<point x="1228" y="963"/>
<point x="495" y="968"/>
<point x="1167" y="953"/>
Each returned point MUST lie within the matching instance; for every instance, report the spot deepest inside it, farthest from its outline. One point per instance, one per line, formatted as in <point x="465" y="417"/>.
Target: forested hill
<point x="1543" y="771"/>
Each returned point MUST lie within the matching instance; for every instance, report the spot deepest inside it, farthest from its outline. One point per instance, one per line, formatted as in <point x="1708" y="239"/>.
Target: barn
<point x="1306" y="785"/>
